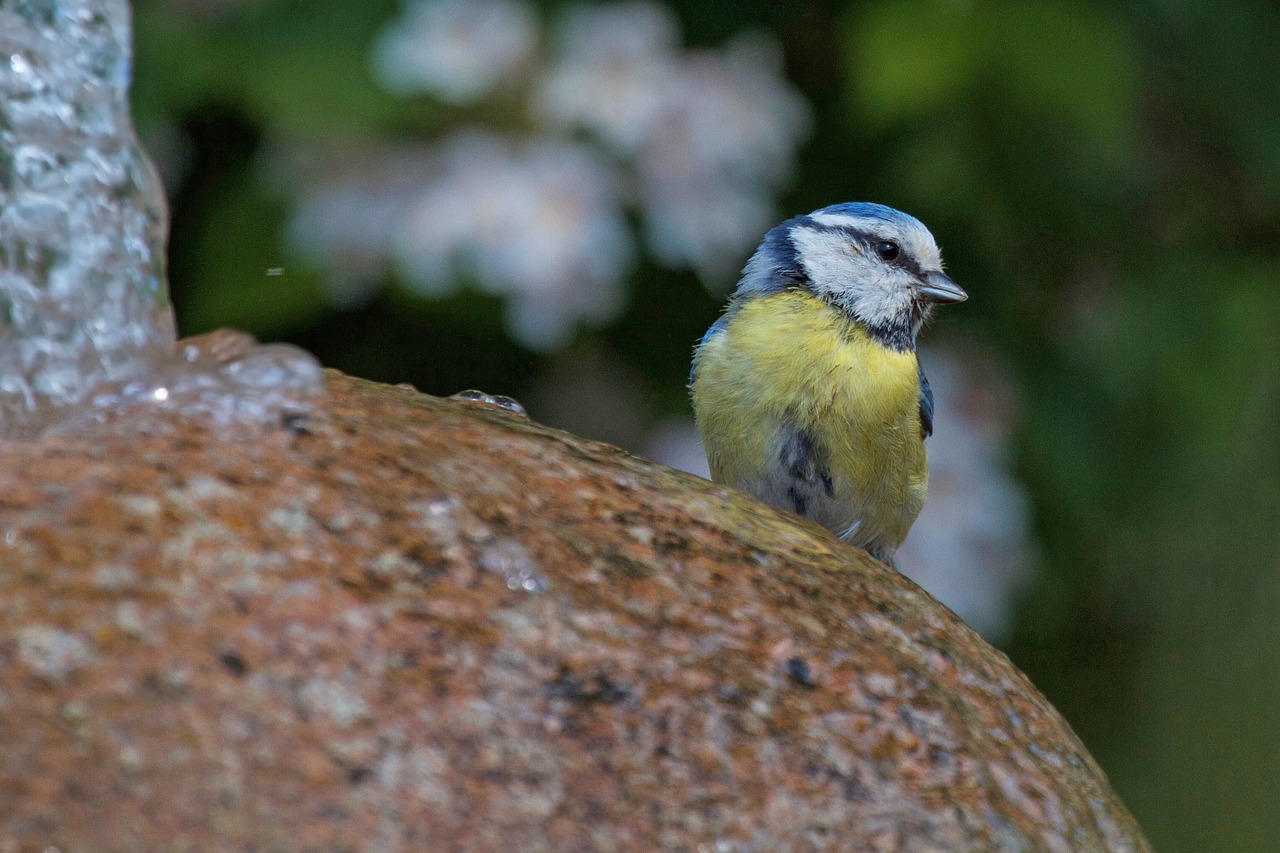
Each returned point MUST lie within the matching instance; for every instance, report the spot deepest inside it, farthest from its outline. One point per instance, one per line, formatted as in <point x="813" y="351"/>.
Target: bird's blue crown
<point x="867" y="209"/>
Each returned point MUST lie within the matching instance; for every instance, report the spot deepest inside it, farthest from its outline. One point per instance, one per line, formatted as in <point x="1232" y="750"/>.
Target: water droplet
<point x="222" y="379"/>
<point x="499" y="401"/>
<point x="514" y="562"/>
<point x="527" y="579"/>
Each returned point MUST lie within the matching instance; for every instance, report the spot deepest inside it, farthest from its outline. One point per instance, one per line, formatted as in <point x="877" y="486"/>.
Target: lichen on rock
<point x="330" y="637"/>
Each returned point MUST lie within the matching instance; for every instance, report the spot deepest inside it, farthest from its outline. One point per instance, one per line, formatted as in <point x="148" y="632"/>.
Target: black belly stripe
<point x="805" y="462"/>
<point x="799" y="501"/>
<point x="798" y="454"/>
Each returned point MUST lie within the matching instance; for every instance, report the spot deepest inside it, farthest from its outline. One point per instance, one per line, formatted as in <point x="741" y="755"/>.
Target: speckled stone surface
<point x="405" y="623"/>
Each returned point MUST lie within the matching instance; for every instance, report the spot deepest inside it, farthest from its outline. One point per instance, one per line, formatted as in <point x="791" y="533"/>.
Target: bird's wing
<point x="717" y="328"/>
<point x="926" y="406"/>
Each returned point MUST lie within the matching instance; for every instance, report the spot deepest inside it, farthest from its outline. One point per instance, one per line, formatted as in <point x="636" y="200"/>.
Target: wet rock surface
<point x="399" y="622"/>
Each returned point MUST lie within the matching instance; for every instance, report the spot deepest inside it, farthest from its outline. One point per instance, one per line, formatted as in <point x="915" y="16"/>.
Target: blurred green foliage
<point x="1105" y="181"/>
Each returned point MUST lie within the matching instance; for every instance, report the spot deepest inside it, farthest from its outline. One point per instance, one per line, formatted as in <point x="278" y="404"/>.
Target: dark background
<point x="1104" y="180"/>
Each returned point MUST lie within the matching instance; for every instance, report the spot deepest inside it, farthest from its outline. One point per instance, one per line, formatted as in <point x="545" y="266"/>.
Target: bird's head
<point x="879" y="265"/>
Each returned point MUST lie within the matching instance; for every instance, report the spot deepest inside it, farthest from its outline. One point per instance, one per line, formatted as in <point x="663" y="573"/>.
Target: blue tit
<point x="807" y="391"/>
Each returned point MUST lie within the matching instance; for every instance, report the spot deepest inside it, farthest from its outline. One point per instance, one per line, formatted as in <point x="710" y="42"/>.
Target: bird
<point x="808" y="392"/>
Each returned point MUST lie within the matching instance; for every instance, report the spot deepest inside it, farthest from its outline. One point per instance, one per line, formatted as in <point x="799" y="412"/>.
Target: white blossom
<point x="540" y="223"/>
<point x="709" y="225"/>
<point x="457" y="50"/>
<point x="712" y="162"/>
<point x="614" y="72"/>
<point x="623" y="117"/>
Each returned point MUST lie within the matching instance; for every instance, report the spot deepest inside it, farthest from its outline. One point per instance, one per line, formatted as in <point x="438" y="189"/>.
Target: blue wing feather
<point x="717" y="328"/>
<point x="926" y="405"/>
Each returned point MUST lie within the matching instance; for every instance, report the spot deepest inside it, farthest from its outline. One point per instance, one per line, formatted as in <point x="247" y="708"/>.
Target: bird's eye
<point x="888" y="250"/>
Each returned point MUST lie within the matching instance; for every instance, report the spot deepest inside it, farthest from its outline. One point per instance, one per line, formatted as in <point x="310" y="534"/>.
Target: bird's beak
<point x="938" y="287"/>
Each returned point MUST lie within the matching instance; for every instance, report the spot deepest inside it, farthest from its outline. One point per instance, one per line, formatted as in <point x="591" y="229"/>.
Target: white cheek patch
<point x="829" y="258"/>
<point x="883" y="301"/>
<point x="860" y="284"/>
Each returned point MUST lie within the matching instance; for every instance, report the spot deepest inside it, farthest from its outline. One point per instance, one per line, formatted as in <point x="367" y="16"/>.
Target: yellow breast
<point x="789" y="361"/>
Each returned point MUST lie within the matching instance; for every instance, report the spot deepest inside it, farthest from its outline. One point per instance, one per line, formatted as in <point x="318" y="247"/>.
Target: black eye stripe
<point x="866" y="239"/>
